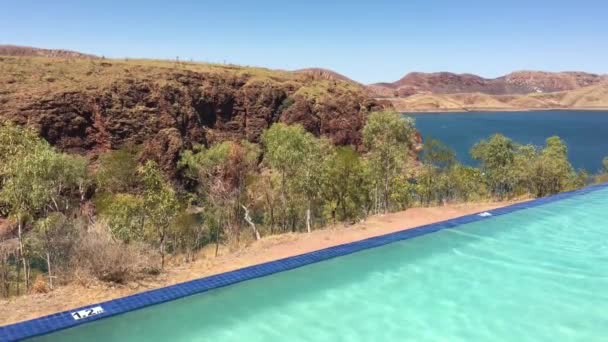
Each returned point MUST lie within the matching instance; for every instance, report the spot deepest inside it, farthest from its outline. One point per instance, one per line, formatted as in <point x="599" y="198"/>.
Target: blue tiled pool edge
<point x="63" y="320"/>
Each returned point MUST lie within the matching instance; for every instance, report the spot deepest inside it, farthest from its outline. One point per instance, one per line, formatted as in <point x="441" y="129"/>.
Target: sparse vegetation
<point x="116" y="218"/>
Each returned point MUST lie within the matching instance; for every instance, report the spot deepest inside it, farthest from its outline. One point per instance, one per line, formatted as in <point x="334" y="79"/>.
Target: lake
<point x="585" y="132"/>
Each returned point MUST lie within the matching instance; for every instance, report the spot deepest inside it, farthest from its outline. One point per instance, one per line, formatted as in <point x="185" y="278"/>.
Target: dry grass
<point x="23" y="79"/>
<point x="100" y="256"/>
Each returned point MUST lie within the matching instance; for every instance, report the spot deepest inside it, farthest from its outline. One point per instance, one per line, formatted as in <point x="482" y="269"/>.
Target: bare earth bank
<point x="268" y="249"/>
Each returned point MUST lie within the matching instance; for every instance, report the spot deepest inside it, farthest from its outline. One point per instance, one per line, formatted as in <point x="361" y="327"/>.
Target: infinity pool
<point x="538" y="274"/>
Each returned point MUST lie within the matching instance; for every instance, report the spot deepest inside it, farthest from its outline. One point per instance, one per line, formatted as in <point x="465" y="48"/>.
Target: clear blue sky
<point x="368" y="41"/>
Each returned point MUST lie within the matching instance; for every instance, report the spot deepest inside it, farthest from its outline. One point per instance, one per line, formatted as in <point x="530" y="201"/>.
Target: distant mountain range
<point x="440" y="91"/>
<point x="520" y="82"/>
<point x="522" y="90"/>
<point x="26" y="51"/>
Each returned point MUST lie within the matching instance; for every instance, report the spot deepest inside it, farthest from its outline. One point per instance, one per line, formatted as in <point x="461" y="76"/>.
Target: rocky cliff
<point x="90" y="105"/>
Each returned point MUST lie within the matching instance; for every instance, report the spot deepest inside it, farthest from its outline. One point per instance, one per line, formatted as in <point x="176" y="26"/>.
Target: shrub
<point x="40" y="285"/>
<point x="110" y="260"/>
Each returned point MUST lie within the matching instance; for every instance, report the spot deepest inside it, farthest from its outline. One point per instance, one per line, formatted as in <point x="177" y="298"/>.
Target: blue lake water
<point x="585" y="132"/>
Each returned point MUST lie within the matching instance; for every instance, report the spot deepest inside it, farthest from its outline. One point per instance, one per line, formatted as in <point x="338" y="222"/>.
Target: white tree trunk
<point x="48" y="265"/>
<point x="308" y="219"/>
<point x="23" y="260"/>
<point x="250" y="221"/>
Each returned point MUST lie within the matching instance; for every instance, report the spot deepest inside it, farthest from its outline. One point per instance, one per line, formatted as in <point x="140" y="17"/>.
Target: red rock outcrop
<point x="168" y="110"/>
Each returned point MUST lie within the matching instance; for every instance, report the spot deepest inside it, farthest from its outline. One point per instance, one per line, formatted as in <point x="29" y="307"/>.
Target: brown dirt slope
<point x="88" y="105"/>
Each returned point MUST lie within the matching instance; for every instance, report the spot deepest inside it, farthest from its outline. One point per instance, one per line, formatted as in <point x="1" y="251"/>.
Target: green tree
<point x="427" y="184"/>
<point x="37" y="182"/>
<point x="265" y="194"/>
<point x="124" y="215"/>
<point x="188" y="232"/>
<point x="436" y="153"/>
<point x="296" y="155"/>
<point x="344" y="184"/>
<point x="387" y="137"/>
<point x="309" y="178"/>
<point x="222" y="173"/>
<point x="16" y="141"/>
<point x="552" y="171"/>
<point x="160" y="206"/>
<point x="52" y="240"/>
<point x="465" y="183"/>
<point x="497" y="156"/>
<point x="117" y="171"/>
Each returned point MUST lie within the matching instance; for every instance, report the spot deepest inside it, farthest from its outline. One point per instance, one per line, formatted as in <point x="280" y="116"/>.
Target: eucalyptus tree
<point x="117" y="171"/>
<point x="37" y="181"/>
<point x="552" y="171"/>
<point x="160" y="206"/>
<point x="465" y="183"/>
<point x="124" y="215"/>
<point x="387" y="137"/>
<point x="436" y="153"/>
<point x="52" y="240"/>
<point x="296" y="155"/>
<point x="222" y="173"/>
<point x="496" y="156"/>
<point x="344" y="184"/>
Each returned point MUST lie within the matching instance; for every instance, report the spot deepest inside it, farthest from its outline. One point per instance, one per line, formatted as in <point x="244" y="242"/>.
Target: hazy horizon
<point x="367" y="42"/>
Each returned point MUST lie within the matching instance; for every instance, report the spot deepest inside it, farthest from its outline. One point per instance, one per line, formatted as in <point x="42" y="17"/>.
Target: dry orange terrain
<point x="268" y="249"/>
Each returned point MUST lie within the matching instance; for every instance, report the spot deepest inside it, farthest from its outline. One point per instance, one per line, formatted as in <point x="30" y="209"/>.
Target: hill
<point x="26" y="51"/>
<point x="521" y="90"/>
<point x="586" y="98"/>
<point x="88" y="105"/>
<point x="325" y="74"/>
<point x="516" y="83"/>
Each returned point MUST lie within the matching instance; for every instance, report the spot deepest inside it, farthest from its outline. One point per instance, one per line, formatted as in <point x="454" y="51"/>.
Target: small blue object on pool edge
<point x="63" y="320"/>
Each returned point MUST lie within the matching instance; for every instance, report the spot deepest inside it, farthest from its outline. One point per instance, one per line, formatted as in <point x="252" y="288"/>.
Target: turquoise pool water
<point x="537" y="274"/>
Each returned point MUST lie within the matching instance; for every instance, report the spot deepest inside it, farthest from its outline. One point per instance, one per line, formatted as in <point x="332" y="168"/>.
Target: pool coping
<point x="63" y="320"/>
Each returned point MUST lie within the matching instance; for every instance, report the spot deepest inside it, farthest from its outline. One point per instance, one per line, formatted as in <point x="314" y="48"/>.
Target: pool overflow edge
<point x="67" y="319"/>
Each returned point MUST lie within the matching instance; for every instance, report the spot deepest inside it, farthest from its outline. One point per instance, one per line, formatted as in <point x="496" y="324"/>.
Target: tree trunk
<point x="376" y="200"/>
<point x="271" y="220"/>
<point x="18" y="276"/>
<point x="386" y="191"/>
<point x="161" y="249"/>
<point x="284" y="201"/>
<point x="48" y="266"/>
<point x="308" y="218"/>
<point x="250" y="221"/>
<point x="217" y="239"/>
<point x="22" y="254"/>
